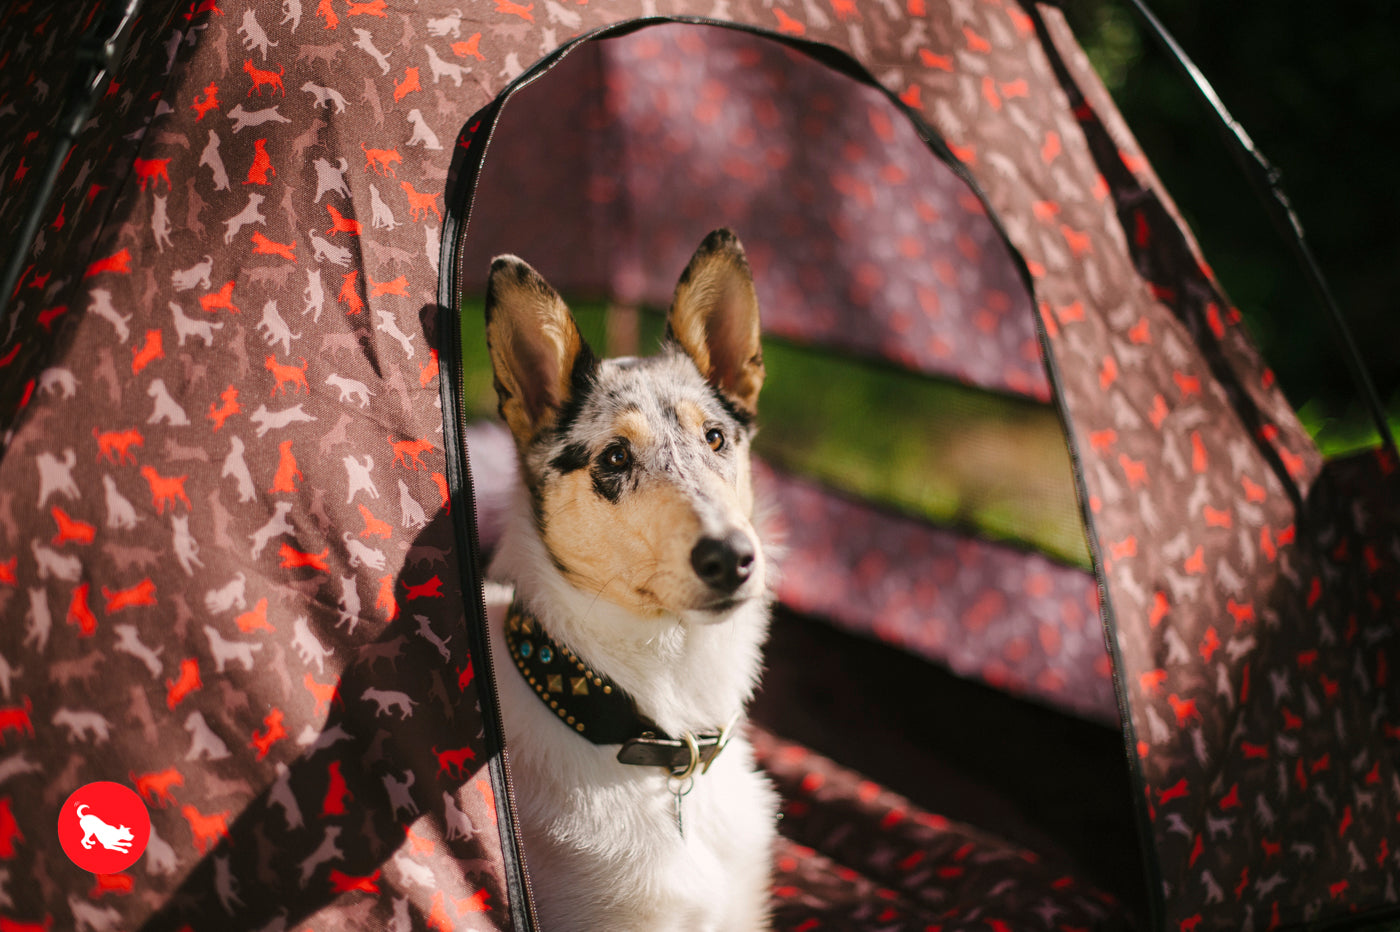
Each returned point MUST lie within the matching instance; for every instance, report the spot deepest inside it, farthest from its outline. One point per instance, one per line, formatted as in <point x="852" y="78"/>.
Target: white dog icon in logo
<point x="112" y="837"/>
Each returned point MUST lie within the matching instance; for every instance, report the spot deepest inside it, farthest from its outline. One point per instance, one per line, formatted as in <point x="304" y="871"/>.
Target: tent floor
<point x="1040" y="779"/>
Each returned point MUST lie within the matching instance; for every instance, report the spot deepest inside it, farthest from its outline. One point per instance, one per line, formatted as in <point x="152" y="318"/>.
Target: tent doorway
<point x="908" y="438"/>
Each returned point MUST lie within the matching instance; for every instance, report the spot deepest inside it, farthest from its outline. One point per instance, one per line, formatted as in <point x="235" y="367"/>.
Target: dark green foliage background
<point x="1317" y="86"/>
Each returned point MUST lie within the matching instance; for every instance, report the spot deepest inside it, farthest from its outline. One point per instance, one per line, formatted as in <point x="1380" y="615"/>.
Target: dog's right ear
<point x="537" y="353"/>
<point x="714" y="317"/>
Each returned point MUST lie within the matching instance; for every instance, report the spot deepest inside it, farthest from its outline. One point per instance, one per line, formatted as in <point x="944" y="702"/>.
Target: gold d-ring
<point x="722" y="741"/>
<point x="694" y="749"/>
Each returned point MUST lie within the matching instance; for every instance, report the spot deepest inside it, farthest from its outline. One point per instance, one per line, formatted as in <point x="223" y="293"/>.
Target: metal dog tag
<point x="679" y="788"/>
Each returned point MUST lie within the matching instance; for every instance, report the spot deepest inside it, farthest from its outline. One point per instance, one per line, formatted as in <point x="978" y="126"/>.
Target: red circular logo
<point x="104" y="827"/>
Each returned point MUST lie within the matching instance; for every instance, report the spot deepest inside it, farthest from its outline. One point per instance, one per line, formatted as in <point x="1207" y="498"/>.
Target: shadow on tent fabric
<point x="362" y="808"/>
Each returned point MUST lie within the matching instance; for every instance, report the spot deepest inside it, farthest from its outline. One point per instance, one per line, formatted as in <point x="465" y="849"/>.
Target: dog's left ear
<point x="714" y="318"/>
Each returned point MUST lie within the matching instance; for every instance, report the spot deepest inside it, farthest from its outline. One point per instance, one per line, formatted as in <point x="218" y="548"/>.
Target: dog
<point x="444" y="26"/>
<point x="95" y="831"/>
<point x="164" y="407"/>
<point x="630" y="567"/>
<point x="327" y="97"/>
<point x="441" y="69"/>
<point x="197" y="274"/>
<point x="248" y="215"/>
<point x="225" y="651"/>
<point x="204" y="743"/>
<point x="56" y="475"/>
<point x="330" y="179"/>
<point x="102" y="306"/>
<point x="423" y="134"/>
<point x="121" y="514"/>
<point x="186" y="326"/>
<point x="275" y="420"/>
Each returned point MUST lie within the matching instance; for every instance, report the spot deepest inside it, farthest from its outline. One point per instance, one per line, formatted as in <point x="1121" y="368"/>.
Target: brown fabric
<point x="230" y="576"/>
<point x="856" y="856"/>
<point x="1013" y="619"/>
<point x="1253" y="586"/>
<point x="1251" y="590"/>
<point x="869" y="247"/>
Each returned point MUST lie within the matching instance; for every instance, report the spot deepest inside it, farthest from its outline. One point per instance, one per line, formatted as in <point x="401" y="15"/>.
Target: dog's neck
<point x="686" y="672"/>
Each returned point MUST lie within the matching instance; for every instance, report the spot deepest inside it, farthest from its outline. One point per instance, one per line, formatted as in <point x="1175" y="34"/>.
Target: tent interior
<point x="937" y="626"/>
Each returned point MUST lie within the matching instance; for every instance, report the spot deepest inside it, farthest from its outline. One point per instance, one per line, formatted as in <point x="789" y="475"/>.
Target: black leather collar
<point x="597" y="708"/>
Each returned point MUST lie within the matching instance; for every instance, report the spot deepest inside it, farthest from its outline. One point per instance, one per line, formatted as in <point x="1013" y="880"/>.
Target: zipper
<point x="463" y="496"/>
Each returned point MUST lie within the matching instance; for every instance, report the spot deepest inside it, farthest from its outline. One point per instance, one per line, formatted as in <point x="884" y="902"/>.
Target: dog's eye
<point x="617" y="456"/>
<point x="715" y="438"/>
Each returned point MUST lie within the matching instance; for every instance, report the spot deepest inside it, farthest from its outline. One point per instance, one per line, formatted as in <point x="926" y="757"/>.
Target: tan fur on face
<point x="691" y="417"/>
<point x="633" y="426"/>
<point x="635" y="553"/>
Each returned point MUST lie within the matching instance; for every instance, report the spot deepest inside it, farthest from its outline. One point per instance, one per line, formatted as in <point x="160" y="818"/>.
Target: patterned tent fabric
<point x="856" y="856"/>
<point x="230" y="571"/>
<point x="227" y="569"/>
<point x="1254" y="596"/>
<point x="1017" y="621"/>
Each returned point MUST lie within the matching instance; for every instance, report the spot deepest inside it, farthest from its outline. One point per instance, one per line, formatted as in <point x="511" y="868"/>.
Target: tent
<point x="241" y="547"/>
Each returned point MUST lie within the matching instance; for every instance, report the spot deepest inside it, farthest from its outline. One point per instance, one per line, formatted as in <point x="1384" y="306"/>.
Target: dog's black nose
<point x="723" y="563"/>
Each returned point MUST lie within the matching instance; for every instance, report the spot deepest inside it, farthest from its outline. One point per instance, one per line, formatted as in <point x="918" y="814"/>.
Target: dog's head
<point x="638" y="469"/>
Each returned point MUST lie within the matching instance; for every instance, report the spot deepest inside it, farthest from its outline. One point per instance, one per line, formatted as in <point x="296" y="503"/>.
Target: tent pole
<point x="99" y="52"/>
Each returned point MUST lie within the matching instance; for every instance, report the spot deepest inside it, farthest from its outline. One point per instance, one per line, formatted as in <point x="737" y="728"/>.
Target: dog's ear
<point x="538" y="356"/>
<point x="714" y="318"/>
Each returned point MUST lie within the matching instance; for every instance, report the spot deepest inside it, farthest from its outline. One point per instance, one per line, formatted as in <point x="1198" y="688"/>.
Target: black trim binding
<point x="468" y="543"/>
<point x="99" y="53"/>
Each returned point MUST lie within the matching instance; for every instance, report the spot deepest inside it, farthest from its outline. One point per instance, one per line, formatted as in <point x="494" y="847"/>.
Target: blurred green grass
<point x="957" y="456"/>
<point x="961" y="457"/>
<point x="1350" y="431"/>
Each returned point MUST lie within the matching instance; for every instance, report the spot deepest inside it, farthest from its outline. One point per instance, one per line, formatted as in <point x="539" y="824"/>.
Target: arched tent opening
<point x="909" y="445"/>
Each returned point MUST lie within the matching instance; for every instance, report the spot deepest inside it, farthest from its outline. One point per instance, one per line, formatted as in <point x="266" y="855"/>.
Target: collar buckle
<point x="679" y="757"/>
<point x="725" y="734"/>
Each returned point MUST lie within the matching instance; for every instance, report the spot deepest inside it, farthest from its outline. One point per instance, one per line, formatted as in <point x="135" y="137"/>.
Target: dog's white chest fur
<point x="601" y="839"/>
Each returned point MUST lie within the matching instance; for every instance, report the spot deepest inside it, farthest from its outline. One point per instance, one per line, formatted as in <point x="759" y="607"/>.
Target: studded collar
<point x="595" y="707"/>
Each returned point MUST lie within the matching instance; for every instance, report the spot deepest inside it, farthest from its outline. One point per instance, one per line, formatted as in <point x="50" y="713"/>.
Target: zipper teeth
<point x="488" y="674"/>
<point x="491" y="660"/>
